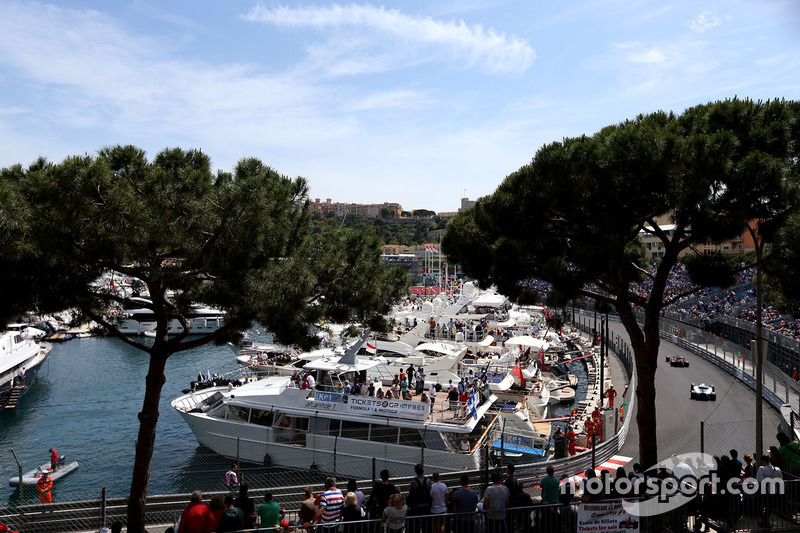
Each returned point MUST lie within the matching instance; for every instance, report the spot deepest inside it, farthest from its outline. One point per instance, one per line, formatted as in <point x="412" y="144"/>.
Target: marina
<point x="85" y="403"/>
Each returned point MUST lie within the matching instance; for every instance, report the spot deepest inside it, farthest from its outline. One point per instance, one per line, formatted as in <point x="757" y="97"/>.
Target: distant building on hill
<point x="466" y="203"/>
<point x="365" y="210"/>
<point x="740" y="244"/>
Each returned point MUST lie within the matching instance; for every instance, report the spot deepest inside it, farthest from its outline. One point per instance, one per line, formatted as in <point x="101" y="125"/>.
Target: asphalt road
<point x="729" y="422"/>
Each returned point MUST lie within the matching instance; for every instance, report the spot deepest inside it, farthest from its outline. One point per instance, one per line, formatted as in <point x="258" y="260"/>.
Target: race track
<point x="729" y="422"/>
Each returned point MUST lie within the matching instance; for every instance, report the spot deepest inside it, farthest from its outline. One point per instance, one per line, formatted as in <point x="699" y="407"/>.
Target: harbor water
<point x="85" y="402"/>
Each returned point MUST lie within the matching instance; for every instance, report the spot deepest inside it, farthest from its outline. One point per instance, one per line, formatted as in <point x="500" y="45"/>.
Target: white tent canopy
<point x="527" y="340"/>
<point x="489" y="299"/>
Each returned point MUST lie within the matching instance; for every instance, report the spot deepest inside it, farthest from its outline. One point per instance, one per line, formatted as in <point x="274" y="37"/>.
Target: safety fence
<point x="712" y="507"/>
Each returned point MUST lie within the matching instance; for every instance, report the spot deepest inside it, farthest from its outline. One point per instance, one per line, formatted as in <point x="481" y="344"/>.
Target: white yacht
<point x="20" y="361"/>
<point x="271" y="422"/>
<point x="439" y="360"/>
<point x="142" y="321"/>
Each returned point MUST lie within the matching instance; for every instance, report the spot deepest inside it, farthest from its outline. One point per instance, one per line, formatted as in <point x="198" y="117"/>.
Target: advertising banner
<point x="397" y="408"/>
<point x="605" y="517"/>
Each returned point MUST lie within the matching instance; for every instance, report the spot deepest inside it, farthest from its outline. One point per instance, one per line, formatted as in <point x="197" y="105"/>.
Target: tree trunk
<point x="645" y="345"/>
<point x="148" y="418"/>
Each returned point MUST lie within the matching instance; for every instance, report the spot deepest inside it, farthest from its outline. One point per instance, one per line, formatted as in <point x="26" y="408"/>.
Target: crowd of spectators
<point x="705" y="304"/>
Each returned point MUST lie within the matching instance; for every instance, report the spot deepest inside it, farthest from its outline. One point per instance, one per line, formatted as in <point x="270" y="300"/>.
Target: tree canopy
<point x="241" y="242"/>
<point x="574" y="216"/>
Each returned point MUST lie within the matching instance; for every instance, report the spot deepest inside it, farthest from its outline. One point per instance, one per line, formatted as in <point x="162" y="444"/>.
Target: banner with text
<point x="607" y="517"/>
<point x="398" y="408"/>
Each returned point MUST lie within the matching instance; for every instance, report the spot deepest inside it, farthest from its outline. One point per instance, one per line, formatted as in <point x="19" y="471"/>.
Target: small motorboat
<point x="32" y="478"/>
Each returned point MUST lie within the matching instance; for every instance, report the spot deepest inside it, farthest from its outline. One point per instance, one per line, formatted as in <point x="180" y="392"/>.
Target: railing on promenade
<point x="575" y="512"/>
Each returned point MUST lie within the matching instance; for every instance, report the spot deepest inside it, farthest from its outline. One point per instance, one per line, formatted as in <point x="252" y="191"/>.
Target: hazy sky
<point x="416" y="102"/>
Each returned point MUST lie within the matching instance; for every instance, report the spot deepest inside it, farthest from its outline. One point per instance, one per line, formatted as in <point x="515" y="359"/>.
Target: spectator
<point x="522" y="514"/>
<point x="352" y="512"/>
<point x="379" y="497"/>
<point x="352" y="486"/>
<point x="395" y="514"/>
<point x="766" y="471"/>
<point x="419" y="501"/>
<point x="197" y="517"/>
<point x="550" y="485"/>
<point x="439" y="496"/>
<point x="233" y="517"/>
<point x="270" y="513"/>
<point x="308" y="509"/>
<point x="330" y="507"/>
<point x="790" y="452"/>
<point x="748" y="466"/>
<point x="248" y="507"/>
<point x="495" y="503"/>
<point x="217" y="507"/>
<point x="465" y="502"/>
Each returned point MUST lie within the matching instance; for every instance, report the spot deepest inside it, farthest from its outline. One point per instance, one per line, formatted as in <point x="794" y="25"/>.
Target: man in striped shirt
<point x="330" y="506"/>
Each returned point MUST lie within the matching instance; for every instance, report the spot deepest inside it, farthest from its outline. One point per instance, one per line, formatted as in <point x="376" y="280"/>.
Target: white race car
<point x="702" y="392"/>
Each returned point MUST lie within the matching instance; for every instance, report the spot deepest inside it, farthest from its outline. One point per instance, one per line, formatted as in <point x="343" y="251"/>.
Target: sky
<point x="416" y="102"/>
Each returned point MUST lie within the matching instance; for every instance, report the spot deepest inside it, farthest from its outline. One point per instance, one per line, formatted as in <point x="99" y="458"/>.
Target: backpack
<point x="419" y="495"/>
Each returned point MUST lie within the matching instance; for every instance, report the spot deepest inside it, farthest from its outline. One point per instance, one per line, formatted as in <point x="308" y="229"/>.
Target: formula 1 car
<point x="702" y="392"/>
<point x="677" y="361"/>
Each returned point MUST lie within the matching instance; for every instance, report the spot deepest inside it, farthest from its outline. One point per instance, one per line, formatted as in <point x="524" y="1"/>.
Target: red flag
<point x="518" y="372"/>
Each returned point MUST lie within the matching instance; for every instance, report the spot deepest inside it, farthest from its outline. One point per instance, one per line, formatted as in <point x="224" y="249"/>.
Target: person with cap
<point x="45" y="486"/>
<point x="611" y="394"/>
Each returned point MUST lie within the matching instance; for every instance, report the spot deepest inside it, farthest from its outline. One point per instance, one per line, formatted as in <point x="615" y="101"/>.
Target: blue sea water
<point x="85" y="403"/>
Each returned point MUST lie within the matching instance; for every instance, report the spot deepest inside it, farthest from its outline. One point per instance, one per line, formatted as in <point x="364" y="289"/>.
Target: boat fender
<point x="286" y="422"/>
<point x="267" y="460"/>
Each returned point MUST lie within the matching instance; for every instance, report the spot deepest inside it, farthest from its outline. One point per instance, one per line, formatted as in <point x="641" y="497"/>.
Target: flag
<point x="431" y="248"/>
<point x="371" y="348"/>
<point x="472" y="404"/>
<point x="518" y="372"/>
<point x="208" y="374"/>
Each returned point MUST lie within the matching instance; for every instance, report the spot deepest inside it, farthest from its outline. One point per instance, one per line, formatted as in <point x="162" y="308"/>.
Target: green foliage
<point x="240" y="241"/>
<point x="783" y="268"/>
<point x="573" y="215"/>
<point x="389" y="230"/>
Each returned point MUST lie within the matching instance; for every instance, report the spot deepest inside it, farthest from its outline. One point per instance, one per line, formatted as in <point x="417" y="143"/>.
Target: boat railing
<point x="192" y="400"/>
